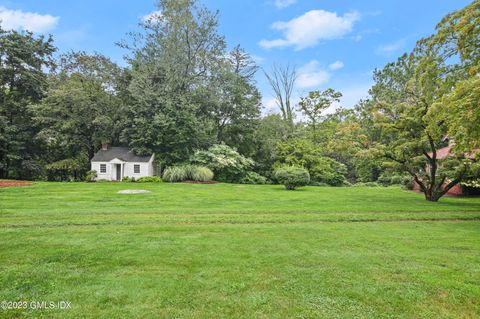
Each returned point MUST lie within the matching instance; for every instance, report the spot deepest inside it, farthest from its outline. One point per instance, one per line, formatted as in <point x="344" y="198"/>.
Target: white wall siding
<point x="96" y="167"/>
<point x="146" y="169"/>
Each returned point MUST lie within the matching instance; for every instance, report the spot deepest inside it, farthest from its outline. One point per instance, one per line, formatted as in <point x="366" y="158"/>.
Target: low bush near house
<point x="90" y="176"/>
<point x="128" y="179"/>
<point x="292" y="177"/>
<point x="149" y="179"/>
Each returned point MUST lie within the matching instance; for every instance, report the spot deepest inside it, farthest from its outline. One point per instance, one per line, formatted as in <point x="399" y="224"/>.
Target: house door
<point x="119" y="172"/>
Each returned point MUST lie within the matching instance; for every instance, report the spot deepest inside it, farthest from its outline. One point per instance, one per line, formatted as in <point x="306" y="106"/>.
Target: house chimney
<point x="104" y="146"/>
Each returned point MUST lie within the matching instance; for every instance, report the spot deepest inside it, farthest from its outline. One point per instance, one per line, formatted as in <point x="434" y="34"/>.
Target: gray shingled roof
<point x="122" y="153"/>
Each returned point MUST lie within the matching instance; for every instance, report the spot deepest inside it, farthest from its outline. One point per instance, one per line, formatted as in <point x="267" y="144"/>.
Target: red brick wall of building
<point x="454" y="191"/>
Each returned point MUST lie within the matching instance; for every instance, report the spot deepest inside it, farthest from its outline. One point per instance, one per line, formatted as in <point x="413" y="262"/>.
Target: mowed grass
<point x="238" y="251"/>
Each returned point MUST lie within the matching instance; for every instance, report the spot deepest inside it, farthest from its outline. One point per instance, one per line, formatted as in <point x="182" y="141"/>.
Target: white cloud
<point x="310" y="28"/>
<point x="337" y="65"/>
<point x="281" y="4"/>
<point x="31" y="21"/>
<point x="391" y="47"/>
<point x="152" y="16"/>
<point x="311" y="74"/>
<point x="257" y="58"/>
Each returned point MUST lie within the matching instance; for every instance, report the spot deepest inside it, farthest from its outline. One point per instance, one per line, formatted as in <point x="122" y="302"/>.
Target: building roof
<point x="447" y="150"/>
<point x="444" y="152"/>
<point x="122" y="153"/>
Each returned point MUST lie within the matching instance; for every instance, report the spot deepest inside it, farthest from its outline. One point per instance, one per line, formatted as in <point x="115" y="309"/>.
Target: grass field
<point x="238" y="251"/>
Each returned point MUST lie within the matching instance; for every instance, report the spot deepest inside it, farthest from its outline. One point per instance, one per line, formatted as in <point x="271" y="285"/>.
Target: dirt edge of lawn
<point x="4" y="183"/>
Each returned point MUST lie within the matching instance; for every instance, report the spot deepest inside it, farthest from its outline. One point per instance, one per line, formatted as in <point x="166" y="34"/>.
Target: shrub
<point x="128" y="179"/>
<point x="187" y="172"/>
<point x="253" y="178"/>
<point x="225" y="162"/>
<point x="90" y="176"/>
<point x="175" y="174"/>
<point x="70" y="169"/>
<point x="327" y="170"/>
<point x="149" y="179"/>
<point x="292" y="177"/>
<point x="304" y="153"/>
<point x="199" y="173"/>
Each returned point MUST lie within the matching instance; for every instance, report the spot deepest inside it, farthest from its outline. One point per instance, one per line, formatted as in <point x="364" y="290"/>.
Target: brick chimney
<point x="105" y="146"/>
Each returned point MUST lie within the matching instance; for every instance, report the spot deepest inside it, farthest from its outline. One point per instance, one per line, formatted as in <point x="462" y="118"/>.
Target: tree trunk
<point x="432" y="196"/>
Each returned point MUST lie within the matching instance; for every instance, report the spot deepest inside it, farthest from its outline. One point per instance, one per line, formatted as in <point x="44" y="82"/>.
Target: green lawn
<point x="239" y="251"/>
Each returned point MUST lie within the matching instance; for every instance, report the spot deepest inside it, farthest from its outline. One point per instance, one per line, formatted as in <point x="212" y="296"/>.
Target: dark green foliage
<point x="32" y="170"/>
<point x="149" y="179"/>
<point x="329" y="171"/>
<point x="253" y="178"/>
<point x="271" y="130"/>
<point x="81" y="108"/>
<point x="128" y="179"/>
<point x="307" y="154"/>
<point x="292" y="177"/>
<point x="71" y="169"/>
<point x="90" y="176"/>
<point x="24" y="60"/>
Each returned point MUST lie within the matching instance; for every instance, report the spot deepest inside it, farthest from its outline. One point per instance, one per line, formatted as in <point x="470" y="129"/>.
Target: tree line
<point x="184" y="93"/>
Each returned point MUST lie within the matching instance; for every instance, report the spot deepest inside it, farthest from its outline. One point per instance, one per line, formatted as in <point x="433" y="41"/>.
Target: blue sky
<point x="333" y="43"/>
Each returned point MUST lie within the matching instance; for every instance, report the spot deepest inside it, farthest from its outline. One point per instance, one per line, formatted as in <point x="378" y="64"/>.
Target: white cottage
<point x="115" y="163"/>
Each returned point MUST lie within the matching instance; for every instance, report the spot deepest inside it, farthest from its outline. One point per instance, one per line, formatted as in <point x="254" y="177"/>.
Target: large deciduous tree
<point x="172" y="64"/>
<point x="24" y="59"/>
<point x="236" y="101"/>
<point x="457" y="40"/>
<point x="404" y="94"/>
<point x="82" y="108"/>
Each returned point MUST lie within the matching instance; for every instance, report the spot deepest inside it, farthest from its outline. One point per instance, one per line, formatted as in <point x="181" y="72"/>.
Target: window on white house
<point x="136" y="169"/>
<point x="103" y="168"/>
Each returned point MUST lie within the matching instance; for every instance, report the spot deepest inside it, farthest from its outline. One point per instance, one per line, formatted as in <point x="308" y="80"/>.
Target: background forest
<point x="188" y="99"/>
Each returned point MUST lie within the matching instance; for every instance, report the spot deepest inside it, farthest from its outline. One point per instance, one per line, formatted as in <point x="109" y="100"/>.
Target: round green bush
<point x="292" y="177"/>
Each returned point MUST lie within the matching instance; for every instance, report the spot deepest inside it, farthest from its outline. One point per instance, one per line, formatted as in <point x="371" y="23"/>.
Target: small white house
<point x="115" y="163"/>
